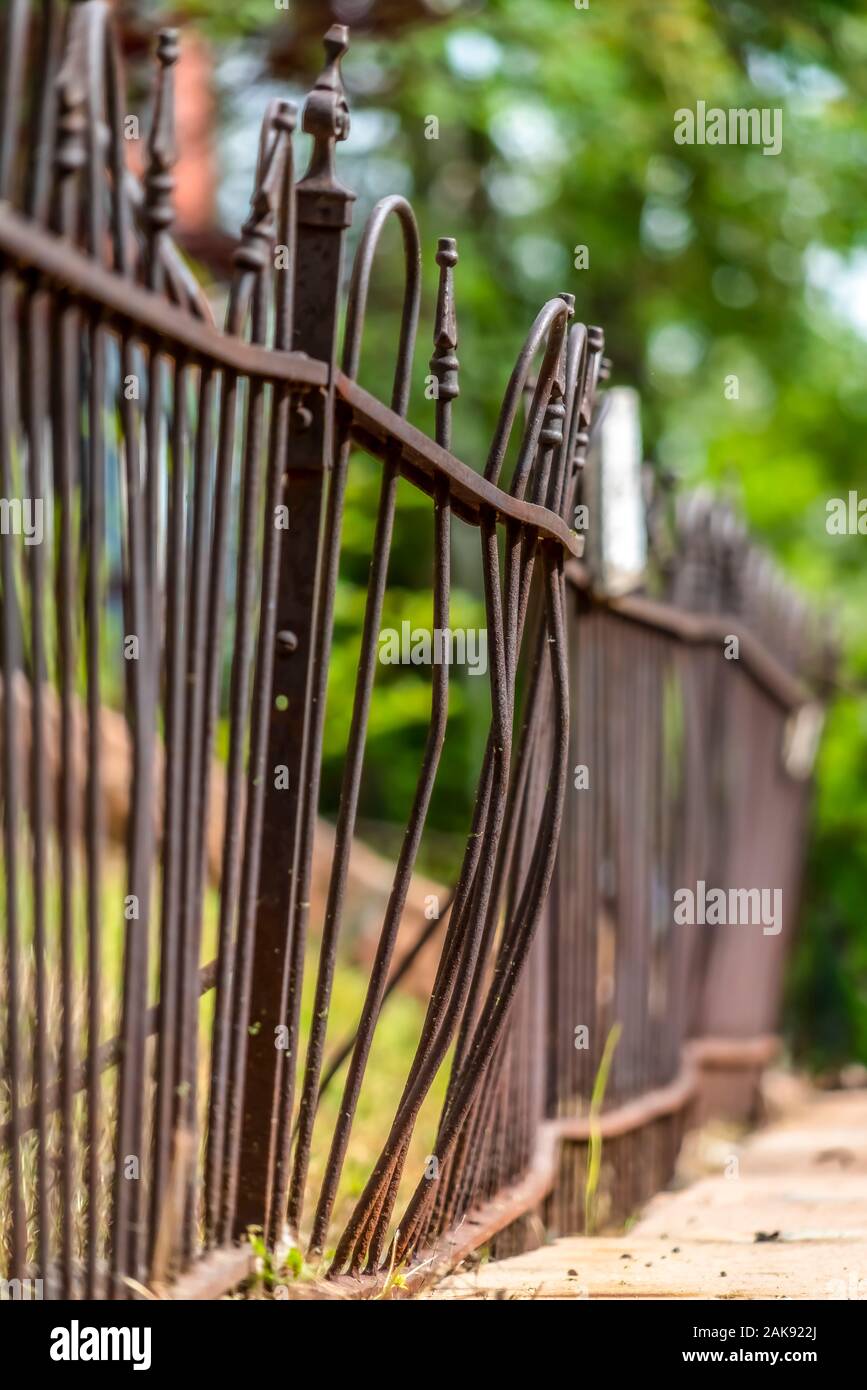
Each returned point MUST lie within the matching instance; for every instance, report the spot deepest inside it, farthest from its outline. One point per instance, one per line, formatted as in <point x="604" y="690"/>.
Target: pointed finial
<point x="71" y="148"/>
<point x="336" y="45"/>
<point x="548" y="479"/>
<point x="551" y="436"/>
<point x="444" y="364"/>
<point x="555" y="411"/>
<point x="555" y="414"/>
<point x="595" y="349"/>
<point x="259" y="230"/>
<point x="323" y="200"/>
<point x="592" y="374"/>
<point x="162" y="151"/>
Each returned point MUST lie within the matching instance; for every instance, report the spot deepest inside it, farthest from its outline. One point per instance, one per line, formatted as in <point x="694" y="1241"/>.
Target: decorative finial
<point x="444" y="364"/>
<point x="595" y="349"/>
<point x="551" y="436"/>
<point x="259" y="230"/>
<point x="162" y="151"/>
<point x="71" y="150"/>
<point x="322" y="199"/>
<point x="589" y="381"/>
<point x="329" y="115"/>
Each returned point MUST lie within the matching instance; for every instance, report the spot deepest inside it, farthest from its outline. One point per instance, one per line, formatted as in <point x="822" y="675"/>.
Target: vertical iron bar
<point x="353" y="764"/>
<point x="272" y="209"/>
<point x="95" y="527"/>
<point x="323" y="213"/>
<point x="11" y="660"/>
<point x="15" y="69"/>
<point x="35" y="405"/>
<point x="71" y="157"/>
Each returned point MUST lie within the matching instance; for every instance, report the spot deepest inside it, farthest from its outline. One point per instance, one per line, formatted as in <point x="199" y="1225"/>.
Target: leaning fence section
<point x="676" y="894"/>
<point x="153" y="455"/>
<point x="175" y="1098"/>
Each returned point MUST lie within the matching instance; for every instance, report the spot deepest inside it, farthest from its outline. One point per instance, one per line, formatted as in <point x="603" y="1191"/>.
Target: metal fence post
<point x="324" y="211"/>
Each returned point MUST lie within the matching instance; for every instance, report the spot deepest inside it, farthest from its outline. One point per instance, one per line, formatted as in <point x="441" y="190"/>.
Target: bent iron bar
<point x="140" y="423"/>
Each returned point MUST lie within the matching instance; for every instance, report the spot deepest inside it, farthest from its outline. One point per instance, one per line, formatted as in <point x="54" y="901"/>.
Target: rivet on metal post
<point x="302" y="418"/>
<point x="444" y="364"/>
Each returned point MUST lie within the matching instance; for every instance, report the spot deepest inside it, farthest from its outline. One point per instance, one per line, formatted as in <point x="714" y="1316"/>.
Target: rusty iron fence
<point x="161" y="1078"/>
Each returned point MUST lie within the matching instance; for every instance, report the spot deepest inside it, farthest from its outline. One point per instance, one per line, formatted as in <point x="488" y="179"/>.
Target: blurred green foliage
<point x="555" y="130"/>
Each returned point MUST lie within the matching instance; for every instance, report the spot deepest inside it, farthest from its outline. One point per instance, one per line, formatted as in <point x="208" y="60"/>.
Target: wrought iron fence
<point x="160" y="1098"/>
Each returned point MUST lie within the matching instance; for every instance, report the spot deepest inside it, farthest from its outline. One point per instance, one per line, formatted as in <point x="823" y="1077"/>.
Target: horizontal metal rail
<point x="135" y="310"/>
<point x="700" y="629"/>
<point x="381" y="431"/>
<point x="131" y="309"/>
<point x="529" y="1193"/>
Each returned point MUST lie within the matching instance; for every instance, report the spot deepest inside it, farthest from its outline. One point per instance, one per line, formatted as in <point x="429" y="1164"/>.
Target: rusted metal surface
<point x="376" y="427"/>
<point x="129" y="308"/>
<point x="708" y="629"/>
<point x="169" y="451"/>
